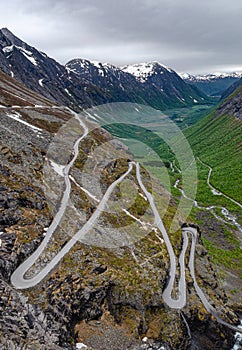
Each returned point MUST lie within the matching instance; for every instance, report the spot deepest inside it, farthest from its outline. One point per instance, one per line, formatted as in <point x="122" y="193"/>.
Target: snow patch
<point x="28" y="54"/>
<point x="41" y="82"/>
<point x="7" y="49"/>
<point x="84" y="189"/>
<point x="58" y="168"/>
<point x="209" y="77"/>
<point x="143" y="196"/>
<point x="96" y="64"/>
<point x="143" y="224"/>
<point x="81" y="346"/>
<point x="68" y="92"/>
<point x="142" y="71"/>
<point x="31" y="59"/>
<point x="238" y="338"/>
<point x="17" y="116"/>
<point x="185" y="76"/>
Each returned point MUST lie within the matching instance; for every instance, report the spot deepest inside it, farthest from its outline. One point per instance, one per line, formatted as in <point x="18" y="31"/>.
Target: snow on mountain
<point x="186" y="76"/>
<point x="142" y="71"/>
<point x="151" y="83"/>
<point x="43" y="74"/>
<point x="209" y="77"/>
<point x="82" y="83"/>
<point x="83" y="67"/>
<point x="213" y="84"/>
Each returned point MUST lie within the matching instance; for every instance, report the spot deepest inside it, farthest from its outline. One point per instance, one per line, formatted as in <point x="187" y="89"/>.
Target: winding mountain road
<point x="19" y="281"/>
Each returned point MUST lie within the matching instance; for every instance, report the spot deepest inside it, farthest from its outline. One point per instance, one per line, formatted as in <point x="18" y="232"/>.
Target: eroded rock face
<point x="26" y="326"/>
<point x="97" y="295"/>
<point x="233" y="104"/>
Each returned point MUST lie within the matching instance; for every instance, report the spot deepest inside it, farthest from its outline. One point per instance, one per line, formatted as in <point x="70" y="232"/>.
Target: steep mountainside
<point x="97" y="295"/>
<point x="216" y="143"/>
<point x="231" y="89"/>
<point x="44" y="75"/>
<point x="212" y="84"/>
<point x="233" y="104"/>
<point x="155" y="76"/>
<point x="118" y="85"/>
<point x="83" y="83"/>
<point x="217" y="140"/>
<point x="165" y="91"/>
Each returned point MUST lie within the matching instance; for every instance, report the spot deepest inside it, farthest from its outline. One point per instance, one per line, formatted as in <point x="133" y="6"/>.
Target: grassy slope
<point x="217" y="142"/>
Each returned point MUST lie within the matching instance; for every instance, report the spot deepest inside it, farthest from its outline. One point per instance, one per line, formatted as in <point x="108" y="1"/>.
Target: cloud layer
<point x="186" y="35"/>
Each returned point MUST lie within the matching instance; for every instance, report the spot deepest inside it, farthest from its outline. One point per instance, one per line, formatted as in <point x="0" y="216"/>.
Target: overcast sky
<point x="187" y="35"/>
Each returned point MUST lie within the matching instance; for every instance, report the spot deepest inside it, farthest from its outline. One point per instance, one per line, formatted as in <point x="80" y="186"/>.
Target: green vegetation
<point x="215" y="87"/>
<point x="231" y="258"/>
<point x="185" y="117"/>
<point x="217" y="141"/>
<point x="214" y="139"/>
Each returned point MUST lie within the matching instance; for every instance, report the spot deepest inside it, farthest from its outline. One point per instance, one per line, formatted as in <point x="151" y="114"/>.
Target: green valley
<point x="215" y="140"/>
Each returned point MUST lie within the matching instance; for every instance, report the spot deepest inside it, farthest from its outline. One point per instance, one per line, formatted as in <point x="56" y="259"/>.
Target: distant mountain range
<point x="212" y="84"/>
<point x="82" y="83"/>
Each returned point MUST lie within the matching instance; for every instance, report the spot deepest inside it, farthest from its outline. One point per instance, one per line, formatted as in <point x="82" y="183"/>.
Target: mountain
<point x="95" y="294"/>
<point x="44" y="75"/>
<point x="118" y="85"/>
<point x="212" y="84"/>
<point x="156" y="77"/>
<point x="165" y="91"/>
<point x="232" y="88"/>
<point x="82" y="83"/>
<point x="217" y="140"/>
<point x="232" y="105"/>
<point x="216" y="144"/>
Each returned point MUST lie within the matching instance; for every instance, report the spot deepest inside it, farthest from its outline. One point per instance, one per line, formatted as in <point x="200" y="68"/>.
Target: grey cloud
<point x="184" y="34"/>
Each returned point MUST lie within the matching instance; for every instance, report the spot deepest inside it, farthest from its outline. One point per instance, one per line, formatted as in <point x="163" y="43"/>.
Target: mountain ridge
<point x="64" y="86"/>
<point x="213" y="84"/>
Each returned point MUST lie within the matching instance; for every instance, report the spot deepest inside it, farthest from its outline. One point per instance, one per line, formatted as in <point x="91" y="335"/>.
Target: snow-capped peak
<point x="211" y="76"/>
<point x="186" y="76"/>
<point x="96" y="64"/>
<point x="80" y="66"/>
<point x="142" y="71"/>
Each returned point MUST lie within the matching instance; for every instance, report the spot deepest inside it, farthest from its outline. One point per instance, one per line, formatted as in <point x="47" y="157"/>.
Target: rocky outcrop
<point x="232" y="105"/>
